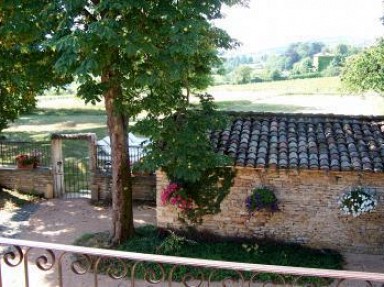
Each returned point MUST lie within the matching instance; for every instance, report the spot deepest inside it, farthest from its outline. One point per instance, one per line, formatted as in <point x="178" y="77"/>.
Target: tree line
<point x="296" y="61"/>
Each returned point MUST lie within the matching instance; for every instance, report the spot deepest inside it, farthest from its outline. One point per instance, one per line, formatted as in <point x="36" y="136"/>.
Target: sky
<point x="274" y="23"/>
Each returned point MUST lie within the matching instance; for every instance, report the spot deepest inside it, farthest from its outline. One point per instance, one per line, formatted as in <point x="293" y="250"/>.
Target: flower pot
<point x="26" y="167"/>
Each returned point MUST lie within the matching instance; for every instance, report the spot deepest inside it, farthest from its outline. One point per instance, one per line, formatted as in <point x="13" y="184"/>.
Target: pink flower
<point x="172" y="195"/>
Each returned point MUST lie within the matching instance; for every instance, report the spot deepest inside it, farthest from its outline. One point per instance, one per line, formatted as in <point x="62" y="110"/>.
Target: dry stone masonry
<point x="309" y="161"/>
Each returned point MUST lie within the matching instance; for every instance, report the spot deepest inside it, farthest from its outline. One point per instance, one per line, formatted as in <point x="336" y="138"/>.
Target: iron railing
<point x="104" y="161"/>
<point x="65" y="265"/>
<point x="10" y="149"/>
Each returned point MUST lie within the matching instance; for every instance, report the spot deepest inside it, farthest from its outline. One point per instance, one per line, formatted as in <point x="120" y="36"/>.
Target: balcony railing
<point x="26" y="263"/>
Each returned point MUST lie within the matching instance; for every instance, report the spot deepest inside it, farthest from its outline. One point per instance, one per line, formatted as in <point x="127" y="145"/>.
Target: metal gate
<point x="76" y="177"/>
<point x="74" y="164"/>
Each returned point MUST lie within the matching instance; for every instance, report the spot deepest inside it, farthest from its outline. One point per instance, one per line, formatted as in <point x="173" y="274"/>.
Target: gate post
<point x="92" y="154"/>
<point x="57" y="166"/>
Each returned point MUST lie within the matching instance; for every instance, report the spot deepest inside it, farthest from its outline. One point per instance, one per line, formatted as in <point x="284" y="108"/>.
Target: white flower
<point x="356" y="202"/>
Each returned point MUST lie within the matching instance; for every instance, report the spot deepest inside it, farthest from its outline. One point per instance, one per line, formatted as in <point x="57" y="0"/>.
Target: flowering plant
<point x="261" y="198"/>
<point x="32" y="158"/>
<point x="357" y="202"/>
<point x="174" y="194"/>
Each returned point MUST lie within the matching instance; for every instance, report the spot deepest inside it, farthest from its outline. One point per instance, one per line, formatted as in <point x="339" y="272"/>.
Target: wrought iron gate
<point x="74" y="165"/>
<point x="76" y="177"/>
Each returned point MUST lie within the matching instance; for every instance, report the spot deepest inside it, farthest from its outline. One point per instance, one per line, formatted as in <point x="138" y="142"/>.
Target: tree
<point x="13" y="104"/>
<point x="342" y="50"/>
<point x="135" y="55"/>
<point x="243" y="74"/>
<point x="291" y="56"/>
<point x="275" y="62"/>
<point x="314" y="48"/>
<point x="275" y="75"/>
<point x="182" y="148"/>
<point x="365" y="71"/>
<point x="21" y="70"/>
<point x="305" y="66"/>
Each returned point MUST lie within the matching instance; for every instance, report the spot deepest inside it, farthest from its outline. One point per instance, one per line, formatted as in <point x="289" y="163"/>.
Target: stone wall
<point x="40" y="181"/>
<point x="37" y="181"/>
<point x="144" y="187"/>
<point x="309" y="212"/>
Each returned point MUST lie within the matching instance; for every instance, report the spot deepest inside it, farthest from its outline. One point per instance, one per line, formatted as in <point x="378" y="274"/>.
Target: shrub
<point x="306" y="76"/>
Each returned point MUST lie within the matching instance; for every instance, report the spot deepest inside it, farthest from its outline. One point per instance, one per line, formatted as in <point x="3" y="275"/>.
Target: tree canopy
<point x="365" y="71"/>
<point x="22" y="66"/>
<point x="141" y="55"/>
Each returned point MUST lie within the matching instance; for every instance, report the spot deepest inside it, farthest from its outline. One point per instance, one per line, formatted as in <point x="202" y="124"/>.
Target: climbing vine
<point x="181" y="147"/>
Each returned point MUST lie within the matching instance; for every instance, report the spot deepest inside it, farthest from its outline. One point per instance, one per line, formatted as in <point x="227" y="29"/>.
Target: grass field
<point x="39" y="125"/>
<point x="318" y="95"/>
<point x="67" y="114"/>
<point x="326" y="85"/>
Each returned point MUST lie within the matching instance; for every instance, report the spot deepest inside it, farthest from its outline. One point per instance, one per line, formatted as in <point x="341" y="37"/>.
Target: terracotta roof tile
<point x="326" y="142"/>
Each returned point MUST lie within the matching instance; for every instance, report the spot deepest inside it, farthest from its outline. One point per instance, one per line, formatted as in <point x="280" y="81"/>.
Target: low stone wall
<point x="144" y="187"/>
<point x="309" y="212"/>
<point x="36" y="181"/>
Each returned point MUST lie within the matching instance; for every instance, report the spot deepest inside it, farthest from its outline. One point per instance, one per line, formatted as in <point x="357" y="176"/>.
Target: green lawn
<point x="325" y="85"/>
<point x="39" y="125"/>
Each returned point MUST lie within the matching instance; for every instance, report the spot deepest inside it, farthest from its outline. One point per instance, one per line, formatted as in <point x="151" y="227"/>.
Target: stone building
<point x="309" y="161"/>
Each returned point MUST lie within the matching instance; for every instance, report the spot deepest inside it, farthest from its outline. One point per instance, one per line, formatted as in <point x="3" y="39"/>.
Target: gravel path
<point x="13" y="222"/>
<point x="63" y="221"/>
<point x="60" y="221"/>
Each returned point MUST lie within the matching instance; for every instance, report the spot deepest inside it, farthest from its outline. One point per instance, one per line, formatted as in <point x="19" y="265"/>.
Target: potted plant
<point x="261" y="198"/>
<point x="357" y="201"/>
<point x="28" y="161"/>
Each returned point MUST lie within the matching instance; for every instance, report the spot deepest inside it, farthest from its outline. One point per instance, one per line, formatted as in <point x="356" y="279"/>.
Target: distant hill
<point x="329" y="41"/>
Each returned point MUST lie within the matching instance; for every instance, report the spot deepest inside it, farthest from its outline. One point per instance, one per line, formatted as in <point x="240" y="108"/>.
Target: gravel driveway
<point x="60" y="221"/>
<point x="63" y="221"/>
<point x="12" y="223"/>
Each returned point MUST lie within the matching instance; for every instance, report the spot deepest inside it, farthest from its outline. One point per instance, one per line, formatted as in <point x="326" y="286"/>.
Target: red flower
<point x="174" y="194"/>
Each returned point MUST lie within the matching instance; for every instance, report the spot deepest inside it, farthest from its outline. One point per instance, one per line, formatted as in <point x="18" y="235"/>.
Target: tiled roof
<point x="305" y="141"/>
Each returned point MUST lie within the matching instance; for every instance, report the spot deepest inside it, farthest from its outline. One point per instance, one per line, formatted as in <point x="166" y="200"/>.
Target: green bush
<point x="192" y="244"/>
<point x="306" y="76"/>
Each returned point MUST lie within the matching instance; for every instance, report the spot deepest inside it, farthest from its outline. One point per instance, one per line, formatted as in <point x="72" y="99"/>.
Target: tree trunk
<point x="117" y="121"/>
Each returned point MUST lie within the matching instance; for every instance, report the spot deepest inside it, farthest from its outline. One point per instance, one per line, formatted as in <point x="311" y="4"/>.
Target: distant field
<point x="65" y="113"/>
<point x="39" y="125"/>
<point x="368" y="104"/>
<point x="326" y="85"/>
<point x="66" y="101"/>
<point x="318" y="95"/>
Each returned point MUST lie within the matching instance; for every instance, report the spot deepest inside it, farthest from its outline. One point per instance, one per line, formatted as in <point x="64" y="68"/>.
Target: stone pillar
<point x="58" y="167"/>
